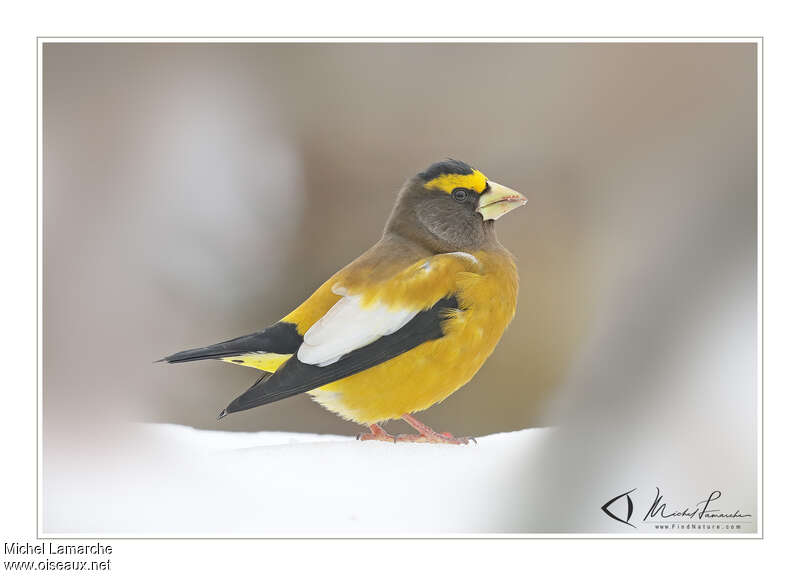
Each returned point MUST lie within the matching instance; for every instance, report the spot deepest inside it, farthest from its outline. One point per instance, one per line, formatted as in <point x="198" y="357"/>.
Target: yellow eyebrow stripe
<point x="449" y="182"/>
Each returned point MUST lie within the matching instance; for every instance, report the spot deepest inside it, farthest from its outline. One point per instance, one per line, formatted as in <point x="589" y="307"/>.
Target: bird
<point x="404" y="325"/>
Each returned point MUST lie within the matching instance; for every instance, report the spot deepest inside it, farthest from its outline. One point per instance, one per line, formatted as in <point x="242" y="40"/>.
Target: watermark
<point x="705" y="515"/>
<point x="56" y="557"/>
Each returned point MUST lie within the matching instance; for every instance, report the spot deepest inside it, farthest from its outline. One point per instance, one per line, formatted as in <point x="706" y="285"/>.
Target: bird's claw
<point x="437" y="438"/>
<point x="371" y="436"/>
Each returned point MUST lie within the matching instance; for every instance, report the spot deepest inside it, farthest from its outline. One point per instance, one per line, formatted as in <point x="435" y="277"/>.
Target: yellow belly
<point x="432" y="371"/>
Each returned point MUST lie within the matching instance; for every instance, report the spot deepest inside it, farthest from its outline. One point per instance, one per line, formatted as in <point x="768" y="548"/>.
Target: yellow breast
<point x="432" y="371"/>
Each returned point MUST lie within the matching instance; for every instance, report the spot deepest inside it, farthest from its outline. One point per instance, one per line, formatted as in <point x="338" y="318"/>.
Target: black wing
<point x="280" y="338"/>
<point x="294" y="377"/>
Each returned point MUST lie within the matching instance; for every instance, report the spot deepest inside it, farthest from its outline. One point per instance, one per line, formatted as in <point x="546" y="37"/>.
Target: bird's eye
<point x="460" y="194"/>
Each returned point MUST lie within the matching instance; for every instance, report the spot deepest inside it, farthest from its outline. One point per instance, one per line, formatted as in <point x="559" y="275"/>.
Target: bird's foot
<point x="435" y="438"/>
<point x="429" y="435"/>
<point x="376" y="433"/>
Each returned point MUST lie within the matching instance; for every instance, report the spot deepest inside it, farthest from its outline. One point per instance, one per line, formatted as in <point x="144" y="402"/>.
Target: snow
<point x="175" y="480"/>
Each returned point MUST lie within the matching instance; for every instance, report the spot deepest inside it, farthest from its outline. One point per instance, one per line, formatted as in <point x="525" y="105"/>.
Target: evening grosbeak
<point x="405" y="324"/>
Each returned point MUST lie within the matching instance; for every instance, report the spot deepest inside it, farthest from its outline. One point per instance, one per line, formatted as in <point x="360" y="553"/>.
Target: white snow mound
<point x="175" y="480"/>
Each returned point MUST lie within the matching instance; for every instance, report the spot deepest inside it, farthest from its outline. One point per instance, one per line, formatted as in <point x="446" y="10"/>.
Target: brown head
<point x="451" y="207"/>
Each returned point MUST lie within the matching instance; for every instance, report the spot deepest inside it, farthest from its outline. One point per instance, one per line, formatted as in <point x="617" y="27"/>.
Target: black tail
<point x="280" y="338"/>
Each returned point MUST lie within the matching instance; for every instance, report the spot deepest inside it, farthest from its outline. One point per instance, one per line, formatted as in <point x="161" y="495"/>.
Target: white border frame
<point x="758" y="40"/>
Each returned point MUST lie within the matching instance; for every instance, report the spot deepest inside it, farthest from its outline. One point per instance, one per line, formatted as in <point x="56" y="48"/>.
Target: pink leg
<point x="428" y="434"/>
<point x="376" y="433"/>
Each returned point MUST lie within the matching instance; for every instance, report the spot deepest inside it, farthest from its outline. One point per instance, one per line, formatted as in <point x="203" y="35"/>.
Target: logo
<point x="704" y="515"/>
<point x="626" y="495"/>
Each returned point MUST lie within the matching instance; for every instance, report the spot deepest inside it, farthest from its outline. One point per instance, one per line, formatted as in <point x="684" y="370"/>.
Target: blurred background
<point x="197" y="192"/>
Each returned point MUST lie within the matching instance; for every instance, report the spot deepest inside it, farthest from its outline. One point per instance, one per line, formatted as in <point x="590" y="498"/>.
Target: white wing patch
<point x="465" y="255"/>
<point x="347" y="326"/>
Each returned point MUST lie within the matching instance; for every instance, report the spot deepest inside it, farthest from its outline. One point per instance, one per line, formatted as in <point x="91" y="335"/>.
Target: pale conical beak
<point x="499" y="200"/>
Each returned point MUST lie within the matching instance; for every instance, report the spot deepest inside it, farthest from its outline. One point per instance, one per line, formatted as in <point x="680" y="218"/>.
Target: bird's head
<point x="451" y="206"/>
